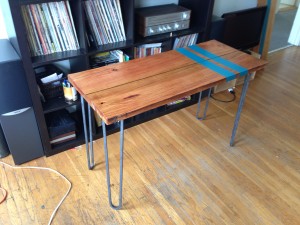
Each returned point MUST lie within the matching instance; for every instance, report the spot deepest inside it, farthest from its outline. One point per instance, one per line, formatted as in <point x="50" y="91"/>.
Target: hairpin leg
<point x="89" y="146"/>
<point x="206" y="106"/>
<point x="119" y="206"/>
<point x="239" y="110"/>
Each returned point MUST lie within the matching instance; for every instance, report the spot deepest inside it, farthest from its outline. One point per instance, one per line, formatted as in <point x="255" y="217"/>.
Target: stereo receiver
<point x="162" y="19"/>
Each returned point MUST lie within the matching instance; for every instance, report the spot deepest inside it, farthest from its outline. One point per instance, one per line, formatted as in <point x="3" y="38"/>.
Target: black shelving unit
<point x="79" y="59"/>
<point x="59" y="103"/>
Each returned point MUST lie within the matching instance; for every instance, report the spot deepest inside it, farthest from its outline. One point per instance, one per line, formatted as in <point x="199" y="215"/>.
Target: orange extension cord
<point x="4" y="192"/>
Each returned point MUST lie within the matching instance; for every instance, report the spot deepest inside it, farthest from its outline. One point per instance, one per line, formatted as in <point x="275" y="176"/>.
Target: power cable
<point x="43" y="168"/>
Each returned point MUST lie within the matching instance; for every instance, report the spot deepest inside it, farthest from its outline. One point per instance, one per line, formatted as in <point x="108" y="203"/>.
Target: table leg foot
<point x="119" y="206"/>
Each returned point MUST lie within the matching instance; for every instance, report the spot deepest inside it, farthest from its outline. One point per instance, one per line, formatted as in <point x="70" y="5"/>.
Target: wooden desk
<point x="120" y="91"/>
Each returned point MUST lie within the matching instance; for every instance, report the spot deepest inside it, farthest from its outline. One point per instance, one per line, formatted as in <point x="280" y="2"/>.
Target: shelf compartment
<point x="110" y="47"/>
<point x="164" y="37"/>
<point x="58" y="56"/>
<point x="55" y="104"/>
<point x="57" y="148"/>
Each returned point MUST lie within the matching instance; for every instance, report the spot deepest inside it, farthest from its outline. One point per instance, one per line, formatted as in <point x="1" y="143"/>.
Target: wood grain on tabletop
<point x="123" y="90"/>
<point x="90" y="81"/>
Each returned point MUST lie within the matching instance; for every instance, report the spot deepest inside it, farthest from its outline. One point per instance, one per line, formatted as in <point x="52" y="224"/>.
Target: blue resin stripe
<point x="226" y="73"/>
<point x="242" y="70"/>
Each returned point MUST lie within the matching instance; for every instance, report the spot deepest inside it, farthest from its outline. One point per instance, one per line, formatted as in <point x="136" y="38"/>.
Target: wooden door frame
<point x="265" y="44"/>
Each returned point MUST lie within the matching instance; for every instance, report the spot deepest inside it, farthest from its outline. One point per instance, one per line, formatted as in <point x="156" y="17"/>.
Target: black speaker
<point x="17" y="117"/>
<point x="3" y="145"/>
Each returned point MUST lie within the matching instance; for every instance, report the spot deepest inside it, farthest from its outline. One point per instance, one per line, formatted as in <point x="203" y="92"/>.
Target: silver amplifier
<point x="164" y="28"/>
<point x="162" y="19"/>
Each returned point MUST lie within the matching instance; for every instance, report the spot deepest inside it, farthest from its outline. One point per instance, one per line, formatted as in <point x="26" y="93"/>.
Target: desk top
<point x="122" y="90"/>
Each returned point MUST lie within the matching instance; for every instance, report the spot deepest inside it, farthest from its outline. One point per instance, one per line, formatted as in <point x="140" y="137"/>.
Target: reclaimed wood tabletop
<point x="122" y="90"/>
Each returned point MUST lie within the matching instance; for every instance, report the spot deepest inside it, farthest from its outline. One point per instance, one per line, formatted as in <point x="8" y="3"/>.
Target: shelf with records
<point x="50" y="28"/>
<point x="147" y="50"/>
<point x="152" y="48"/>
<point x="186" y="40"/>
<point x="166" y="36"/>
<point x="104" y="22"/>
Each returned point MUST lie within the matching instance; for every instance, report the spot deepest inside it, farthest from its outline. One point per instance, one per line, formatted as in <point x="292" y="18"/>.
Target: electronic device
<point x="162" y="19"/>
<point x="242" y="29"/>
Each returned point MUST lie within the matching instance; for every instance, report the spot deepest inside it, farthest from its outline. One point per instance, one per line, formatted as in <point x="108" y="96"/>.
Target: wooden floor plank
<point x="179" y="170"/>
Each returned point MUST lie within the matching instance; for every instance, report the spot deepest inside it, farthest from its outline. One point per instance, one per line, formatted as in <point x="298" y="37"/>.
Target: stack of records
<point x="50" y="27"/>
<point x="105" y="22"/>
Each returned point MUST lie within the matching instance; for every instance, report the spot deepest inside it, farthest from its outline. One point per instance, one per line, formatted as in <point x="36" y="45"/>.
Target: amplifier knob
<point x="168" y="27"/>
<point x="184" y="15"/>
<point x="160" y="29"/>
<point x="176" y="25"/>
<point x="151" y="31"/>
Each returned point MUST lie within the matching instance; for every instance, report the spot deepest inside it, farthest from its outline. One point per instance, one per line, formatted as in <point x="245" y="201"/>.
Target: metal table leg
<point x="89" y="146"/>
<point x="119" y="206"/>
<point x="241" y="103"/>
<point x="206" y="106"/>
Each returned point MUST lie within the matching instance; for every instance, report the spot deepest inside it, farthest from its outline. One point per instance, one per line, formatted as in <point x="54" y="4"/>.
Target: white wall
<point x="224" y="6"/>
<point x="294" y="37"/>
<point x="3" y="34"/>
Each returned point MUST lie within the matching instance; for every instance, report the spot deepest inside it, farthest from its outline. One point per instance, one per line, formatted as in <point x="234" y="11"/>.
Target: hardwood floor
<point x="178" y="170"/>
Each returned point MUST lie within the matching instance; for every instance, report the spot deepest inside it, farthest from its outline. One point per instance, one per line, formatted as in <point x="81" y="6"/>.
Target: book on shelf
<point x="186" y="40"/>
<point x="104" y="21"/>
<point x="106" y="58"/>
<point x="63" y="138"/>
<point x="50" y="27"/>
<point x="147" y="50"/>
